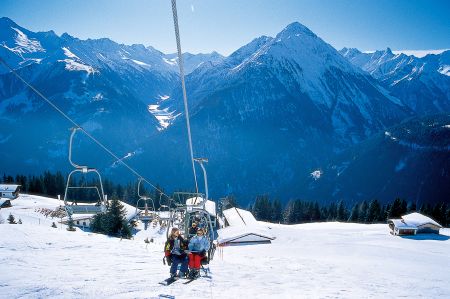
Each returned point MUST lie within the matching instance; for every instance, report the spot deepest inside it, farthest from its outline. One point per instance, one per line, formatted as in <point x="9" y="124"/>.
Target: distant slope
<point x="410" y="160"/>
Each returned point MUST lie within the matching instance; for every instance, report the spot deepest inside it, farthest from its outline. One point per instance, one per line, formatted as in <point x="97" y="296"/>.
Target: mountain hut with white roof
<point x="412" y="224"/>
<point x="8" y="192"/>
<point x="241" y="228"/>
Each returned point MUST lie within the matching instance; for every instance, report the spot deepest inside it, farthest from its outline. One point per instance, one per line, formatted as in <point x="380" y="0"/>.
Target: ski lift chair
<point x="85" y="207"/>
<point x="147" y="216"/>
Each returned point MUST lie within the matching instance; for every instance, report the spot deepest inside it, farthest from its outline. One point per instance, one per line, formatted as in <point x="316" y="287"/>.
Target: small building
<point x="423" y="223"/>
<point x="241" y="228"/>
<point x="412" y="224"/>
<point x="9" y="191"/>
<point x="238" y="217"/>
<point x="238" y="235"/>
<point x="399" y="227"/>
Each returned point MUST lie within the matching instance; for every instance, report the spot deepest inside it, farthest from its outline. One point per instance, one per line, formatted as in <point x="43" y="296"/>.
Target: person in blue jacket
<point x="198" y="246"/>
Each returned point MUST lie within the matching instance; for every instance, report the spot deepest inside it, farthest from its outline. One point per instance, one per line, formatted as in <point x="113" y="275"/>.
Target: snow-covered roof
<point x="3" y="200"/>
<point x="243" y="234"/>
<point x="8" y="187"/>
<point x="418" y="219"/>
<point x="239" y="217"/>
<point x="130" y="211"/>
<point x="210" y="206"/>
<point x="401" y="224"/>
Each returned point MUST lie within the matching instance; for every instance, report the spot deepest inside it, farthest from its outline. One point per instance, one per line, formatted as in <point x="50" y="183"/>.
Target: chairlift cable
<point x="180" y="63"/>
<point x="78" y="126"/>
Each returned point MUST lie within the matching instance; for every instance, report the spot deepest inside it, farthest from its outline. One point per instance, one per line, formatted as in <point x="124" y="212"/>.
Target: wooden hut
<point x="413" y="223"/>
<point x="423" y="223"/>
<point x="399" y="227"/>
<point x="241" y="228"/>
<point x="9" y="191"/>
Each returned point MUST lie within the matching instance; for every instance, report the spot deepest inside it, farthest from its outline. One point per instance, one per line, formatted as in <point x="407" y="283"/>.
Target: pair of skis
<point x="171" y="280"/>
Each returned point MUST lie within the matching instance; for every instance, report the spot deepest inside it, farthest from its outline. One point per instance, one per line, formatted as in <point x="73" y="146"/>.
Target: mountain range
<point x="422" y="84"/>
<point x="268" y="116"/>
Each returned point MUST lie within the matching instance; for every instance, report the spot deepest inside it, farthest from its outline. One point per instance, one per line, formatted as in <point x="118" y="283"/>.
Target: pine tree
<point x="97" y="223"/>
<point x="299" y="212"/>
<point x="288" y="214"/>
<point x="262" y="208"/>
<point x="447" y="216"/>
<point x="374" y="211"/>
<point x="387" y="211"/>
<point x="354" y="214"/>
<point x="111" y="222"/>
<point x="341" y="212"/>
<point x="9" y="179"/>
<point x="59" y="183"/>
<point x="404" y="207"/>
<point x="396" y="210"/>
<point x="125" y="230"/>
<point x="382" y="216"/>
<point x="332" y="212"/>
<point x="438" y="213"/>
<point x="54" y="225"/>
<point x="323" y="213"/>
<point x="412" y="206"/>
<point x="49" y="183"/>
<point x="116" y="214"/>
<point x="277" y="212"/>
<point x="20" y="221"/>
<point x="317" y="215"/>
<point x="443" y="212"/>
<point x="11" y="219"/>
<point x="363" y="211"/>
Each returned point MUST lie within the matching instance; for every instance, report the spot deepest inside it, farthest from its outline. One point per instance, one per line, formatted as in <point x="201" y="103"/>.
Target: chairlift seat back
<point x="85" y="209"/>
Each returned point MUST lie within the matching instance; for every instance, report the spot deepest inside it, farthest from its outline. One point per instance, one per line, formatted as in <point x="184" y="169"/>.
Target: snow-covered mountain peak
<point x="6" y="23"/>
<point x="67" y="37"/>
<point x="422" y="83"/>
<point x="17" y="39"/>
<point x="26" y="44"/>
<point x="349" y="52"/>
<point x="295" y="29"/>
<point x="239" y="55"/>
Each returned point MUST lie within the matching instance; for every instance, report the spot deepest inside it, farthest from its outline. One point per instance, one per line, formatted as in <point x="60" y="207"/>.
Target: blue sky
<point x="226" y="25"/>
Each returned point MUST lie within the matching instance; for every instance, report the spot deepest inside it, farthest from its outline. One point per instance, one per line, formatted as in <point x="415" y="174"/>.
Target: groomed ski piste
<point x="317" y="260"/>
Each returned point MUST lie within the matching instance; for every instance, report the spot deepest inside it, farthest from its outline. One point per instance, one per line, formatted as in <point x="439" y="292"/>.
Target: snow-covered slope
<point x="423" y="84"/>
<point x="317" y="260"/>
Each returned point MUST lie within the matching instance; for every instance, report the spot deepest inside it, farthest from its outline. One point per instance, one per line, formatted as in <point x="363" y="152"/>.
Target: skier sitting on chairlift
<point x="198" y="246"/>
<point x="193" y="229"/>
<point x="174" y="251"/>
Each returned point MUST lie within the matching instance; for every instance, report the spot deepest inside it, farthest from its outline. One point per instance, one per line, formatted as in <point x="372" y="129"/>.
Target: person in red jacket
<point x="174" y="250"/>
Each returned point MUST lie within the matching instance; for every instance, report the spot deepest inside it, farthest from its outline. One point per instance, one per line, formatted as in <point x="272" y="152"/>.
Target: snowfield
<point x="318" y="260"/>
